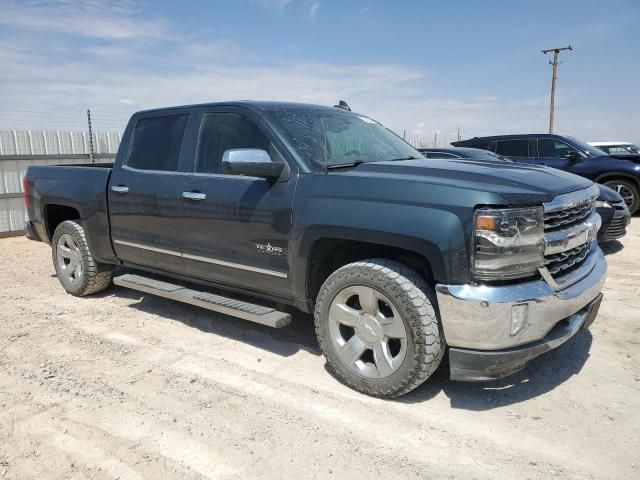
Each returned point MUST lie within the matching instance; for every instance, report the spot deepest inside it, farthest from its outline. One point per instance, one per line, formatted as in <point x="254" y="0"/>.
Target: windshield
<point x="590" y="149"/>
<point x="629" y="147"/>
<point x="328" y="139"/>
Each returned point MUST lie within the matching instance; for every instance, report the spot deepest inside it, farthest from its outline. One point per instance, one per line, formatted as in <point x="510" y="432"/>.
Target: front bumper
<point x="614" y="223"/>
<point x="486" y="317"/>
<point x="478" y="365"/>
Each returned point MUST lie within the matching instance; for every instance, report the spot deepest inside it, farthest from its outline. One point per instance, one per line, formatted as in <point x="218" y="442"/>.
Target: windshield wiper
<point x="410" y="157"/>
<point x="345" y="165"/>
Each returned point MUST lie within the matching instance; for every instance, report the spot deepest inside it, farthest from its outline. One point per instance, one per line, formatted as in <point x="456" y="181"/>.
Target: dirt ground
<point x="126" y="385"/>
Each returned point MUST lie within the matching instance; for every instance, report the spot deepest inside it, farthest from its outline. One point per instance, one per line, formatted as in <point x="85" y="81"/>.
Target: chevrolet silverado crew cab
<point x="251" y="208"/>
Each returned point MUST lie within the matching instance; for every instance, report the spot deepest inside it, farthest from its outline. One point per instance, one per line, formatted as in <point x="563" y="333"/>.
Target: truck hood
<point x="518" y="184"/>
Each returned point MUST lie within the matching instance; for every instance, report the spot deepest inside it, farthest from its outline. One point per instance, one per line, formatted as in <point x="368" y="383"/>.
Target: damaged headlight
<point x="508" y="243"/>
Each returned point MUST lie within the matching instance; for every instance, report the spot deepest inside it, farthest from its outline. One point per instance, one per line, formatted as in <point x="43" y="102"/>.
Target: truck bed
<point x="82" y="188"/>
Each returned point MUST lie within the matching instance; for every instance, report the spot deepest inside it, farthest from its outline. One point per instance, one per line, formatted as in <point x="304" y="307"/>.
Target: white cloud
<point x="94" y="19"/>
<point x="52" y="81"/>
<point x="364" y="10"/>
<point x="313" y="7"/>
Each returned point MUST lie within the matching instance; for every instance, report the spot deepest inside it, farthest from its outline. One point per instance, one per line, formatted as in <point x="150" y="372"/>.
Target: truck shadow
<point x="540" y="376"/>
<point x="299" y="335"/>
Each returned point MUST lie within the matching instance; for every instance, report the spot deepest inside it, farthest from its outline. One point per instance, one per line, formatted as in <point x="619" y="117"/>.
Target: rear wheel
<point x="376" y="324"/>
<point x="78" y="272"/>
<point x="628" y="191"/>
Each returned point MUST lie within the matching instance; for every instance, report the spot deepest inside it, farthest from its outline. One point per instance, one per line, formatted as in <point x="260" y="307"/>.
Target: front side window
<point x="225" y="131"/>
<point x="550" y="148"/>
<point x="513" y="148"/>
<point x="325" y="138"/>
<point x="156" y="143"/>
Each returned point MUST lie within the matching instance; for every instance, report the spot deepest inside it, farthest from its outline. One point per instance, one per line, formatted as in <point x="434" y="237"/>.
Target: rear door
<point x="144" y="194"/>
<point x="236" y="228"/>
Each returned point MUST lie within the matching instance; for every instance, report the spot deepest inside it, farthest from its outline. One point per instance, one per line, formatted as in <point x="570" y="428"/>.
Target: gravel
<point x="126" y="385"/>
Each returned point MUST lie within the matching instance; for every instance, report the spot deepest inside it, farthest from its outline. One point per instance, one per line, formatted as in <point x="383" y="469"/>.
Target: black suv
<point x="621" y="172"/>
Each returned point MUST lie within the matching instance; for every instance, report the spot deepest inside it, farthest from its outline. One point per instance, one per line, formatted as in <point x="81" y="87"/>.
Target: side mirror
<point x="251" y="162"/>
<point x="574" y="156"/>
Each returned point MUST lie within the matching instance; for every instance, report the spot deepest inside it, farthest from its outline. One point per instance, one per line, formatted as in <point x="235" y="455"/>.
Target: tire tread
<point x="417" y="298"/>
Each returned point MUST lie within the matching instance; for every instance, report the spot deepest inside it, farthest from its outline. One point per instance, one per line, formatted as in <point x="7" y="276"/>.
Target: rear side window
<point x="551" y="148"/>
<point x="481" y="144"/>
<point x="156" y="143"/>
<point x="513" y="148"/>
<point x="225" y="131"/>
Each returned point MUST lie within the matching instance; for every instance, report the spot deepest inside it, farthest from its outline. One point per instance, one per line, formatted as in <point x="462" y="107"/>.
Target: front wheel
<point x="78" y="272"/>
<point x="628" y="191"/>
<point x="377" y="326"/>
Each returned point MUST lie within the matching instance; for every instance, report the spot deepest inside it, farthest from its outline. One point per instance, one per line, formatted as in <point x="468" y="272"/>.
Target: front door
<point x="236" y="228"/>
<point x="553" y="153"/>
<point x="144" y="195"/>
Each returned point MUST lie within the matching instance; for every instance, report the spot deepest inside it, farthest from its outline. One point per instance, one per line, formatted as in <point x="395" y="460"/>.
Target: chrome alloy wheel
<point x="69" y="258"/>
<point x="624" y="191"/>
<point x="368" y="334"/>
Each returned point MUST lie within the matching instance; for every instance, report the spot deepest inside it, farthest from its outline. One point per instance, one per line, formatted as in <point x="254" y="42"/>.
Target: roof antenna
<point x="343" y="105"/>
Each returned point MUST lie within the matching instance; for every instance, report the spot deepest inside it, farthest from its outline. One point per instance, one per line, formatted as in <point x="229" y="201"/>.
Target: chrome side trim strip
<point x="214" y="261"/>
<point x="239" y="266"/>
<point x="148" y="247"/>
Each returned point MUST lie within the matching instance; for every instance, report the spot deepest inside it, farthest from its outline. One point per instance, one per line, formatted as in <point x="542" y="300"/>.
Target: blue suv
<point x="621" y="172"/>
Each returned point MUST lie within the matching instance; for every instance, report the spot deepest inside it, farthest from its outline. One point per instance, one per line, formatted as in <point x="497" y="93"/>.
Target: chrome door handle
<point x="194" y="195"/>
<point x="120" y="188"/>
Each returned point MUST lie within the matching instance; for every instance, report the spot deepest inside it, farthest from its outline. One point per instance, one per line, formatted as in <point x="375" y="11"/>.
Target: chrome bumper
<point x="493" y="318"/>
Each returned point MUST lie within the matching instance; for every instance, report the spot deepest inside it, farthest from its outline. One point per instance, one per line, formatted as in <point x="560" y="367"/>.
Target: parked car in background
<point x="610" y="205"/>
<point x="614" y="214"/>
<point x="616" y="147"/>
<point x="328" y="211"/>
<point x="460" y="152"/>
<point x="618" y="171"/>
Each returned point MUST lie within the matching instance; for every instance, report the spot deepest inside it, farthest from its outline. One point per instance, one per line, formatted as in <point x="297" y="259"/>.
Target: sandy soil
<point x="125" y="385"/>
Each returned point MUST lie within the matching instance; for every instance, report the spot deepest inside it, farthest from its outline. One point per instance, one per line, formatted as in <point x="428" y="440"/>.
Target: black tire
<point x="93" y="277"/>
<point x="630" y="187"/>
<point x="414" y="301"/>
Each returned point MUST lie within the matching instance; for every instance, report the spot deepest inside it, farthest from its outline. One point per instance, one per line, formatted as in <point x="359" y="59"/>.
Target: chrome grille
<point x="569" y="230"/>
<point x="567" y="217"/>
<point x="560" y="262"/>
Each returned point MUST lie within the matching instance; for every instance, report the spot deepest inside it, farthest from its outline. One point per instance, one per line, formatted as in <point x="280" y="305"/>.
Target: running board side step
<point x="217" y="303"/>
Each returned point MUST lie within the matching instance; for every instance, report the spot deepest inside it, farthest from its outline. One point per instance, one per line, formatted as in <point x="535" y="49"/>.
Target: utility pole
<point x="435" y="138"/>
<point x="554" y="64"/>
<point x="90" y="136"/>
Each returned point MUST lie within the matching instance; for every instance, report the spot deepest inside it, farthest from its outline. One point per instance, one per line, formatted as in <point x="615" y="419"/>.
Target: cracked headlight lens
<point x="508" y="243"/>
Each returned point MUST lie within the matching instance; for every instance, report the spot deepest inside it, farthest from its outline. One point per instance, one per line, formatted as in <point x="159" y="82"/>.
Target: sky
<point x="419" y="67"/>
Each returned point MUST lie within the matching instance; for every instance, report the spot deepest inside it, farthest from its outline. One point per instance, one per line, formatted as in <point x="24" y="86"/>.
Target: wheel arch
<point x="327" y="253"/>
<point x="54" y="214"/>
<point x="605" y="177"/>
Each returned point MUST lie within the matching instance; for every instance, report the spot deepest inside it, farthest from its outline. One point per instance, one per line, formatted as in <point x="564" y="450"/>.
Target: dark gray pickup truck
<point x="248" y="208"/>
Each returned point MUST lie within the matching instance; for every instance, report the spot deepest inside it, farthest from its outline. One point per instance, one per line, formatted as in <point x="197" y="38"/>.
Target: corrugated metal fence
<point x="19" y="149"/>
